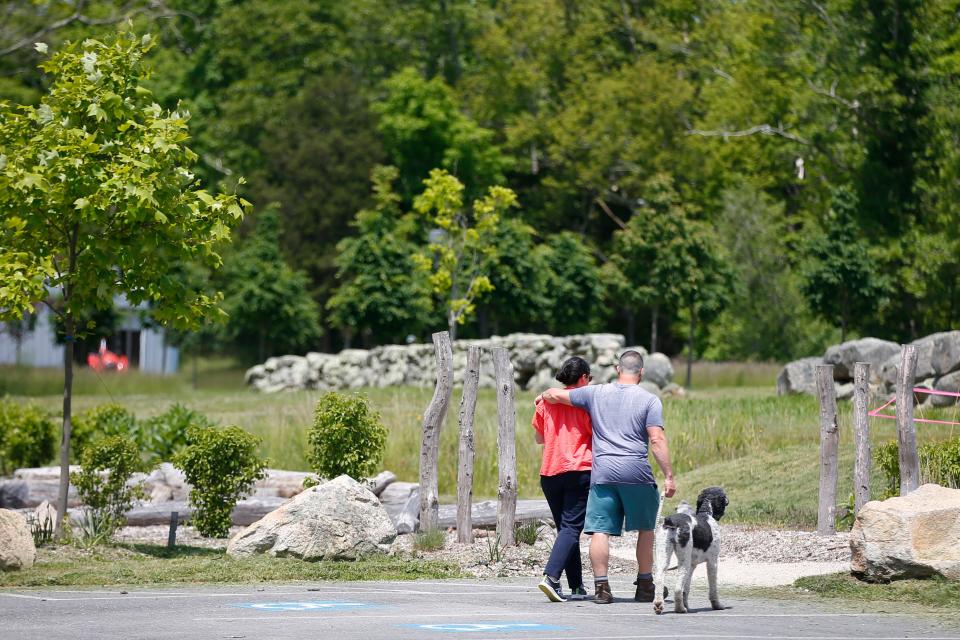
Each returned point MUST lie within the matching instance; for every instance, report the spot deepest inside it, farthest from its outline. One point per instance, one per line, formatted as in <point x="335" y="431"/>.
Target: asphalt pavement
<point x="479" y="610"/>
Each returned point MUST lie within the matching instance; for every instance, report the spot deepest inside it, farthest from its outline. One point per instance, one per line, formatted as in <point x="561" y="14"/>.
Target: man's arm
<point x="661" y="453"/>
<point x="557" y="396"/>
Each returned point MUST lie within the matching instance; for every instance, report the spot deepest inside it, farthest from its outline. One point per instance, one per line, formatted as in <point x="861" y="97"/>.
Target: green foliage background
<point x="756" y="113"/>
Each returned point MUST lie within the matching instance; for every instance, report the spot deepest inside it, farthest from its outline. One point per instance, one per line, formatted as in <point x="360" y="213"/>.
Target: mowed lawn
<point x="762" y="448"/>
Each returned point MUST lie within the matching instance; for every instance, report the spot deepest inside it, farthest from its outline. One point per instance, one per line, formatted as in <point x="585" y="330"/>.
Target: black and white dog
<point x="694" y="536"/>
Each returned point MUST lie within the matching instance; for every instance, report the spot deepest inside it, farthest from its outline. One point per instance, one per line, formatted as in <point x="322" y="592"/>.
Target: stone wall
<point x="938" y="367"/>
<point x="535" y="358"/>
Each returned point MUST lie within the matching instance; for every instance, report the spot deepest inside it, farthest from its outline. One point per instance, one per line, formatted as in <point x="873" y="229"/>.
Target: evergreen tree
<point x="268" y="304"/>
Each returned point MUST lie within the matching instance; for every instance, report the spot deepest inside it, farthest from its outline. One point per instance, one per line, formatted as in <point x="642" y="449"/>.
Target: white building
<point x="145" y="347"/>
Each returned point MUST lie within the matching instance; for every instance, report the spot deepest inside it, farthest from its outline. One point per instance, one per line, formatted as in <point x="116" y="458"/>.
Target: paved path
<point x="480" y="610"/>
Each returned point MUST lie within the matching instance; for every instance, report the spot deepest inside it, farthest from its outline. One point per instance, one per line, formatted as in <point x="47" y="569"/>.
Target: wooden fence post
<point x="906" y="428"/>
<point x="468" y="407"/>
<point x="506" y="447"/>
<point x="861" y="435"/>
<point x="829" y="441"/>
<point x="433" y="420"/>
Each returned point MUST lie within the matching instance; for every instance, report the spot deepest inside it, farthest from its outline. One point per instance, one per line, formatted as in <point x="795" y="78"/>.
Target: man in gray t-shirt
<point x="627" y="423"/>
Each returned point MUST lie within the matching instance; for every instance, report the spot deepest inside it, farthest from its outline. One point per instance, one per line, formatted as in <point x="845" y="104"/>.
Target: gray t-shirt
<point x="620" y="414"/>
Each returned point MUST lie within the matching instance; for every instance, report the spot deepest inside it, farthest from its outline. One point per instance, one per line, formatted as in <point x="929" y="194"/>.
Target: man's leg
<point x="600" y="554"/>
<point x="645" y="552"/>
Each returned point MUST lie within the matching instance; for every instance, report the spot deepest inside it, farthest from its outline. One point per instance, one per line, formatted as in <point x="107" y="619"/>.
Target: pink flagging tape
<point x="933" y="392"/>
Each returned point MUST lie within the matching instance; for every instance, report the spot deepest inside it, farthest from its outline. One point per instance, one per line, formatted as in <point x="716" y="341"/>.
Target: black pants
<point x="567" y="496"/>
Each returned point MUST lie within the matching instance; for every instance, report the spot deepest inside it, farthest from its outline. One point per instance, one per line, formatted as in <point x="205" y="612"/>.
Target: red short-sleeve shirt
<point x="566" y="435"/>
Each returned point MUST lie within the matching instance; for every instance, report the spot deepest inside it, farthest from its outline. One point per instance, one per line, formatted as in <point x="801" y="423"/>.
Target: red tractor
<point x="106" y="360"/>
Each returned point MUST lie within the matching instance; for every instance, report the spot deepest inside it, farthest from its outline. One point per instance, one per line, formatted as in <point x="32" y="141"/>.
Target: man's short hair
<point x="631" y="362"/>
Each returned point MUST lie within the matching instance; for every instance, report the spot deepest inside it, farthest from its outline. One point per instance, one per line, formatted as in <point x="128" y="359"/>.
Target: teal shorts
<point x="608" y="505"/>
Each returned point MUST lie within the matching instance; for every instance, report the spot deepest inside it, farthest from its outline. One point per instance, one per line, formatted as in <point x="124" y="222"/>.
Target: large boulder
<point x="17" y="550"/>
<point x="658" y="369"/>
<point x="938" y="354"/>
<point x="340" y="519"/>
<point x="913" y="536"/>
<point x="798" y="376"/>
<point x="949" y="383"/>
<point x="844" y="356"/>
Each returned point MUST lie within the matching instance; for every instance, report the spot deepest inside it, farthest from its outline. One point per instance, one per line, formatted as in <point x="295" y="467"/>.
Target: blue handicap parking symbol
<point x="495" y="627"/>
<point x="314" y="605"/>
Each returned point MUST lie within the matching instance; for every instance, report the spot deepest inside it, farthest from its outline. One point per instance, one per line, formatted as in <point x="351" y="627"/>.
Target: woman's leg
<point x="574" y="512"/>
<point x="553" y="491"/>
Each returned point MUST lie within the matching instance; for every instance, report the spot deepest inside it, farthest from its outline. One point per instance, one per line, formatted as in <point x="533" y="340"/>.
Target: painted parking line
<point x="496" y="627"/>
<point x="312" y="605"/>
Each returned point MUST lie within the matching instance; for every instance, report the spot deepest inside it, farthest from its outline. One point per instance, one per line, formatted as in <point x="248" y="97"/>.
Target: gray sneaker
<point x="553" y="590"/>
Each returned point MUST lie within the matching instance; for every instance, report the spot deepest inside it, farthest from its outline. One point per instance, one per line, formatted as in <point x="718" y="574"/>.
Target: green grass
<point x="212" y="374"/>
<point x="764" y="449"/>
<point x="141" y="564"/>
<point x="935" y="593"/>
<point x="712" y="375"/>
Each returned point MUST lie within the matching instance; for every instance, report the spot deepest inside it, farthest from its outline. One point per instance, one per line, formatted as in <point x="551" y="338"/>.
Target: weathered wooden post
<point x="506" y="447"/>
<point x="433" y="420"/>
<point x="829" y="442"/>
<point x="468" y="407"/>
<point x="861" y="435"/>
<point x="906" y="428"/>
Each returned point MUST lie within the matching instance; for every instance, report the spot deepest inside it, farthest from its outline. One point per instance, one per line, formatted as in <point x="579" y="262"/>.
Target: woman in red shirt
<point x="565" y="434"/>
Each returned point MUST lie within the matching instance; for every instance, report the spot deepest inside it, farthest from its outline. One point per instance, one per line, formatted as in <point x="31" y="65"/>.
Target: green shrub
<point x="939" y="464"/>
<point x="347" y="437"/>
<point x="222" y="465"/>
<point x="103" y="483"/>
<point x="102" y="421"/>
<point x="164" y="435"/>
<point x="28" y="437"/>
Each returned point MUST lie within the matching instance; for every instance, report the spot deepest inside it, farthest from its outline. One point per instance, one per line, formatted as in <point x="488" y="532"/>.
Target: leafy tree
<point x="97" y="198"/>
<point x="651" y="256"/>
<point x="755" y="326"/>
<point x="268" y="303"/>
<point x="518" y="277"/>
<point x="574" y="287"/>
<point x="705" y="286"/>
<point x="840" y="278"/>
<point x="380" y="290"/>
<point x="423" y="129"/>
<point x="460" y="241"/>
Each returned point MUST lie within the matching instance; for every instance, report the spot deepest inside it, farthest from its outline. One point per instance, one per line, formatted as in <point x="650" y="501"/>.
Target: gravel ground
<point x="741" y="547"/>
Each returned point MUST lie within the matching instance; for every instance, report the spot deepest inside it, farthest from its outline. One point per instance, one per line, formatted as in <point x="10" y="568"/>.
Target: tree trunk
<point x="861" y="435"/>
<point x="433" y="419"/>
<point x="65" y="435"/>
<point x="906" y="427"/>
<point x="690" y="343"/>
<point x="452" y="326"/>
<point x="262" y="344"/>
<point x="654" y="318"/>
<point x="631" y="327"/>
<point x="506" y="447"/>
<point x="467" y="451"/>
<point x="829" y="442"/>
<point x="843" y="327"/>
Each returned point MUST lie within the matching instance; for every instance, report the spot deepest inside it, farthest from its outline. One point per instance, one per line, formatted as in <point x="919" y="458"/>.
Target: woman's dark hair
<point x="572" y="370"/>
